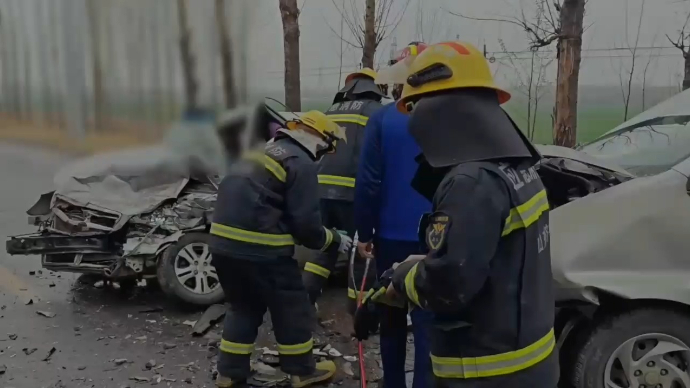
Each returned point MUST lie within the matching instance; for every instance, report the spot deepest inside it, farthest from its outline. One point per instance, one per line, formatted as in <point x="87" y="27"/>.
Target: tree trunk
<point x="369" y="49"/>
<point x="686" y="73"/>
<point x="290" y="15"/>
<point x="191" y="85"/>
<point x="97" y="70"/>
<point x="225" y="55"/>
<point x="569" y="57"/>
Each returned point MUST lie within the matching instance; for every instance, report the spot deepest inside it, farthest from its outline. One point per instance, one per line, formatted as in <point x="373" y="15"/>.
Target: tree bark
<point x="225" y="55"/>
<point x="686" y="71"/>
<point x="97" y="69"/>
<point x="569" y="57"/>
<point x="187" y="57"/>
<point x="289" y="13"/>
<point x="369" y="49"/>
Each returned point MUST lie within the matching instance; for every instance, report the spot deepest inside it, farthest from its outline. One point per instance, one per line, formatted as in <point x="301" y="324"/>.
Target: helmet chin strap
<point x="397" y="91"/>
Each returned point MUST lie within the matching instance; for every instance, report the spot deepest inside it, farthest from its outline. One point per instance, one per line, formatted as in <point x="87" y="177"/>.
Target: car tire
<point x="638" y="332"/>
<point x="176" y="272"/>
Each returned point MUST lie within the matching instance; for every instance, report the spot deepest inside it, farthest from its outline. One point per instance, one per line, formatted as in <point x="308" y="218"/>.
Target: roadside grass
<point x="123" y="135"/>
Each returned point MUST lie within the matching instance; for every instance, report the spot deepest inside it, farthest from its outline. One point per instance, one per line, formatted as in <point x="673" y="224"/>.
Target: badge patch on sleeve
<point x="437" y="230"/>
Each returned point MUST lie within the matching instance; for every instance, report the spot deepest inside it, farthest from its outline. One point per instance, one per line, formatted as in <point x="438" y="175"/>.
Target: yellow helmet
<point x="366" y="72"/>
<point x="320" y="123"/>
<point x="447" y="66"/>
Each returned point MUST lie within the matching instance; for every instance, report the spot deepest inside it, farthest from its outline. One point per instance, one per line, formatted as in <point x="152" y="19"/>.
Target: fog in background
<point x="40" y="59"/>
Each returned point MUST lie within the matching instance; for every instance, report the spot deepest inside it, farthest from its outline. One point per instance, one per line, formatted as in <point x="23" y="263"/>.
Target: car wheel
<point x="645" y="348"/>
<point x="186" y="274"/>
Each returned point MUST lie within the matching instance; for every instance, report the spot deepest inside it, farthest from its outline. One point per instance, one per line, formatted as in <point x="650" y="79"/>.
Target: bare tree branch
<point x="386" y="21"/>
<point x="539" y="35"/>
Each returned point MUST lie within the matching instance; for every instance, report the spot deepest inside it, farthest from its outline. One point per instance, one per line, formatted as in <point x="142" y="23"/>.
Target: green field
<point x="592" y="122"/>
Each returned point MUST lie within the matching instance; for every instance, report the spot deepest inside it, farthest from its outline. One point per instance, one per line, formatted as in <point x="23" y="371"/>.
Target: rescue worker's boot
<point x="226" y="382"/>
<point x="324" y="371"/>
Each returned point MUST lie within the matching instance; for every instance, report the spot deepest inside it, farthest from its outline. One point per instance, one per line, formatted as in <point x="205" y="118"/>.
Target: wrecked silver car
<point x="619" y="236"/>
<point x="128" y="215"/>
<point x="142" y="213"/>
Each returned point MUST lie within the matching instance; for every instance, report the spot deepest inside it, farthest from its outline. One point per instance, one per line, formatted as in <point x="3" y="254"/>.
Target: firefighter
<point x="487" y="273"/>
<point x="352" y="106"/>
<point x="266" y="204"/>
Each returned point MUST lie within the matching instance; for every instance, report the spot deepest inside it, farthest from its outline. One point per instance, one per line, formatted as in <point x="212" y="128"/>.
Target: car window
<point x="646" y="148"/>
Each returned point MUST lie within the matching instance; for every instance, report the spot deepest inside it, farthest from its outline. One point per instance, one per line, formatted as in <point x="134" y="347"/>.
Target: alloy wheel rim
<point x="194" y="271"/>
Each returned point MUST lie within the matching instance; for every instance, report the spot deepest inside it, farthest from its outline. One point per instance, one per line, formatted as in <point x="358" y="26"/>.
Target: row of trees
<point x="379" y="20"/>
<point x="559" y="23"/>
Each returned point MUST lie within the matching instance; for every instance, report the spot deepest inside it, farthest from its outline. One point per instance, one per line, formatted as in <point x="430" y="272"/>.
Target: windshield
<point x="646" y="148"/>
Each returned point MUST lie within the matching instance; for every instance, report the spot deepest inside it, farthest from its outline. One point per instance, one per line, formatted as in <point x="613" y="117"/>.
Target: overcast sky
<point x="605" y="21"/>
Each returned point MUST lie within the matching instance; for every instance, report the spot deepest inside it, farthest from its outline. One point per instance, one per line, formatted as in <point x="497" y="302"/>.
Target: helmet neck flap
<point x="359" y="88"/>
<point x="315" y="145"/>
<point x="460" y="126"/>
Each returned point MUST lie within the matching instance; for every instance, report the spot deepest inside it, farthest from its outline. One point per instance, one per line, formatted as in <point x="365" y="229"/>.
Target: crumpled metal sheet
<point x="150" y="245"/>
<point x="190" y="211"/>
<point x="630" y="240"/>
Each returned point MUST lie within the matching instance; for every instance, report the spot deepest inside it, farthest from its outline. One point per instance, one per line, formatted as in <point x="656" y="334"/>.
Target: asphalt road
<point x="102" y="337"/>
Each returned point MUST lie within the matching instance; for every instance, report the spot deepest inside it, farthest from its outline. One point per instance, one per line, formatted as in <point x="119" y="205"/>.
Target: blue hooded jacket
<point x="384" y="199"/>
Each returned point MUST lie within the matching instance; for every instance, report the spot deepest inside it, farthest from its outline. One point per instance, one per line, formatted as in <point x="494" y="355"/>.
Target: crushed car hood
<point x="552" y="151"/>
<point x="629" y="240"/>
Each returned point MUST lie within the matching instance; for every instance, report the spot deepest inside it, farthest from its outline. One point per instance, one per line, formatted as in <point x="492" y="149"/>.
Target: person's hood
<point x="357" y="89"/>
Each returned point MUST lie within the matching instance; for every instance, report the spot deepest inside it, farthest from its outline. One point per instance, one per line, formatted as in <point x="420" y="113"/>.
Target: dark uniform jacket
<point x="269" y="202"/>
<point x="337" y="171"/>
<point x="487" y="278"/>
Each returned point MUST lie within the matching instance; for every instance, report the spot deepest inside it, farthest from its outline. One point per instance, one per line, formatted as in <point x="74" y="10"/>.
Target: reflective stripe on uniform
<point x="496" y="365"/>
<point x="349" y="118"/>
<point x="336" y="180"/>
<point x="410" y="289"/>
<point x="271" y="165"/>
<point x="274" y="240"/>
<point x="352" y="293"/>
<point x="235" y="347"/>
<point x="297" y="349"/>
<point x="329" y="240"/>
<point x="317" y="269"/>
<point x="526" y="214"/>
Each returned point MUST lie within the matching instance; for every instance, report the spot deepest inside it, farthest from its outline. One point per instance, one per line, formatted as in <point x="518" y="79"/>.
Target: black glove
<point x="366" y="319"/>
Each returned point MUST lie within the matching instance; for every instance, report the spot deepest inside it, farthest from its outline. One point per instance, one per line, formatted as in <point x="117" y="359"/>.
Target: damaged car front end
<point x="116" y="215"/>
<point x="619" y="253"/>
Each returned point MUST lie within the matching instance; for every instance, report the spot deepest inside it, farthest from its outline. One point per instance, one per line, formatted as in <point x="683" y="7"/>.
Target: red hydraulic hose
<point x="360" y="345"/>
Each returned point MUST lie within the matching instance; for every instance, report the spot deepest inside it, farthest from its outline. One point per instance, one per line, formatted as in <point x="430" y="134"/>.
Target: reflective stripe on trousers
<point x="495" y="365"/>
<point x="526" y="214"/>
<point x="336" y="180"/>
<point x="236" y="348"/>
<point x="297" y="349"/>
<point x="349" y="118"/>
<point x="275" y="240"/>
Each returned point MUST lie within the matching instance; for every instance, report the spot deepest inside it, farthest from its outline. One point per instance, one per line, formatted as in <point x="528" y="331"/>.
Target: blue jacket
<point x="384" y="199"/>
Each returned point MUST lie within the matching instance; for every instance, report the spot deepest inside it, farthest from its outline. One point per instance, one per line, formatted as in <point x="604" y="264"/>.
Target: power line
<point x="504" y="55"/>
<point x="589" y="50"/>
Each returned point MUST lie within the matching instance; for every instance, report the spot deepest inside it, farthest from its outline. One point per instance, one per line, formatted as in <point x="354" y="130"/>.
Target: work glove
<point x="366" y="318"/>
<point x="345" y="242"/>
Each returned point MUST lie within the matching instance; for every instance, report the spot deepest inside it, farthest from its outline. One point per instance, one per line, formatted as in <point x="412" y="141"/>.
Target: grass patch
<point x="125" y="135"/>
